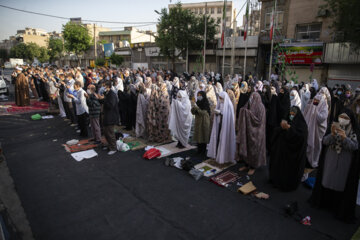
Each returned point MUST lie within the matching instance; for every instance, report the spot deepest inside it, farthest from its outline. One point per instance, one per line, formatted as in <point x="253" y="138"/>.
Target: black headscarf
<point x="288" y="153"/>
<point x="312" y="92"/>
<point x="204" y="103"/>
<point x="284" y="103"/>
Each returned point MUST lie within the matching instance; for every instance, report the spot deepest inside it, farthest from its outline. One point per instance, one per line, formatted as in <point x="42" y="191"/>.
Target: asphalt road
<point x="126" y="197"/>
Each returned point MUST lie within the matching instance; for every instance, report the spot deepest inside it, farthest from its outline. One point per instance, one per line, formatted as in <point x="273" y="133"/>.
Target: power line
<point x="66" y="18"/>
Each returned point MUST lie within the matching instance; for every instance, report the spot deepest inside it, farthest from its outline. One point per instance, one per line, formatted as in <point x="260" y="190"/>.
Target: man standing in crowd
<point x="94" y="111"/>
<point x="111" y="116"/>
<point x="22" y="93"/>
<point x="81" y="108"/>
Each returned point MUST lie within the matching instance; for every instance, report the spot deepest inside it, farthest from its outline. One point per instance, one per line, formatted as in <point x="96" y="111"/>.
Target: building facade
<point x="130" y="35"/>
<point x="301" y="31"/>
<point x="212" y="9"/>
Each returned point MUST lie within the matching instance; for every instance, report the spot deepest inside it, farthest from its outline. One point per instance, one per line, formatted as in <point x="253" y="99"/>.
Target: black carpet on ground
<point x="126" y="197"/>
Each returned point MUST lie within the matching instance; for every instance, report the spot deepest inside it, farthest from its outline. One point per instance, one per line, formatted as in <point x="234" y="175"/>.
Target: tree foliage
<point x="346" y="20"/>
<point x="4" y="55"/>
<point x="43" y="55"/>
<point x="55" y="48"/>
<point x="100" y="62"/>
<point x="179" y="29"/>
<point x="116" y="59"/>
<point x="29" y="51"/>
<point x="19" y="51"/>
<point x="77" y="38"/>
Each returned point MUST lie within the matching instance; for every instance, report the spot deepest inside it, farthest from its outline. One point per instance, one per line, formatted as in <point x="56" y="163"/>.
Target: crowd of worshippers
<point x="297" y="126"/>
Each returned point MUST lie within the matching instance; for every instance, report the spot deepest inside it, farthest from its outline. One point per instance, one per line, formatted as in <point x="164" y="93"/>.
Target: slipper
<point x="262" y="195"/>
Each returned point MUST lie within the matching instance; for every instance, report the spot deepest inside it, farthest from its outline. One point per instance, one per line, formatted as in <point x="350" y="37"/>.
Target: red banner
<point x="301" y="54"/>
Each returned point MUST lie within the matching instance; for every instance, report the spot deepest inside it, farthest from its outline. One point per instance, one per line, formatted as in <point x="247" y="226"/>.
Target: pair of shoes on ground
<point x="111" y="152"/>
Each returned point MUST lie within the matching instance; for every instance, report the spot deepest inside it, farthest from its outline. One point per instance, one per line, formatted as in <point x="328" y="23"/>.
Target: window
<point x="219" y="10"/>
<point x="279" y="20"/>
<point x="219" y="20"/>
<point x="227" y="19"/>
<point x="200" y="10"/>
<point x="207" y="10"/>
<point x="212" y="10"/>
<point x="196" y="10"/>
<point x="308" y="31"/>
<point x="228" y="9"/>
<point x="110" y="38"/>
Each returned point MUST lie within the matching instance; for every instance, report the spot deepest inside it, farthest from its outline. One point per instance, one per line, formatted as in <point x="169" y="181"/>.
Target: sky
<point x="106" y="10"/>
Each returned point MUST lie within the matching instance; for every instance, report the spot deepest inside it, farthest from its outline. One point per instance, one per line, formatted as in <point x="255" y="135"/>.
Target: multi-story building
<point x="301" y="29"/>
<point x="33" y="35"/>
<point x="130" y="35"/>
<point x="94" y="30"/>
<point x="214" y="10"/>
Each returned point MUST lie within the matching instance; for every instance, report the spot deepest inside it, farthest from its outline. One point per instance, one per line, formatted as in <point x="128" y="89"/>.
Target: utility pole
<point x="95" y="52"/>
<point x="205" y="17"/>
<point x="187" y="56"/>
<point x="274" y="16"/>
<point x="246" y="40"/>
<point x="233" y="44"/>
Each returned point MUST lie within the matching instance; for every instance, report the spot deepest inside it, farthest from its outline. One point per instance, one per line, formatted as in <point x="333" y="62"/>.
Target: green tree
<point x="32" y="51"/>
<point x="77" y="38"/>
<point x="55" y="48"/>
<point x="100" y="62"/>
<point x="43" y="55"/>
<point x="179" y="29"/>
<point x="102" y="42"/>
<point x="27" y="51"/>
<point x="19" y="51"/>
<point x="346" y="20"/>
<point x="116" y="59"/>
<point x="4" y="55"/>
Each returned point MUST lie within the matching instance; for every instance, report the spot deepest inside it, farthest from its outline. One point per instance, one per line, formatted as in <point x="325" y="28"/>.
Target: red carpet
<point x="11" y="108"/>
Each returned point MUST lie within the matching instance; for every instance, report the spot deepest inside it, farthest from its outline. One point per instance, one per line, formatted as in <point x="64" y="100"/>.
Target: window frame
<point x="267" y="26"/>
<point x="308" y="31"/>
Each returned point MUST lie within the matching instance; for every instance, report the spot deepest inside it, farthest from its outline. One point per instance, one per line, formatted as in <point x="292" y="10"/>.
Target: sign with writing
<point x="301" y="54"/>
<point x="108" y="49"/>
<point x="152" y="51"/>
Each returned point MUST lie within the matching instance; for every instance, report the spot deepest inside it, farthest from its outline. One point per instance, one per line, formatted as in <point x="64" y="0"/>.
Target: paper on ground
<point x="164" y="151"/>
<point x="79" y="156"/>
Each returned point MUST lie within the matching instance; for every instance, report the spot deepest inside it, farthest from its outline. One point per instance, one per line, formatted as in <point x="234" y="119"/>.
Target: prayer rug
<point x="135" y="143"/>
<point x="82" y="145"/>
<point x="224" y="179"/>
<point x="212" y="162"/>
<point x="172" y="149"/>
<point x="207" y="169"/>
<point x="11" y="108"/>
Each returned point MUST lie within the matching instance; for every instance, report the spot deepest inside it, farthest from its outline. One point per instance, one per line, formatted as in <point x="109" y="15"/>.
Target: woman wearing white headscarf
<point x="202" y="87"/>
<point x="305" y="96"/>
<point x="315" y="84"/>
<point x="316" y="115"/>
<point x="222" y="143"/>
<point x="218" y="88"/>
<point x="181" y="118"/>
<point x="295" y="99"/>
